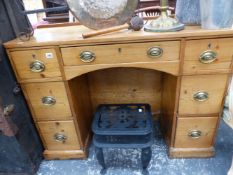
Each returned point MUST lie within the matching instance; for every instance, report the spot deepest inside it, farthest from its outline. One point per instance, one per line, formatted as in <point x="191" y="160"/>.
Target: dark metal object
<point x="25" y="33"/>
<point x="145" y="158"/>
<point x="20" y="146"/>
<point x="123" y="126"/>
<point x="123" y="119"/>
<point x="53" y="9"/>
<point x="16" y="89"/>
<point x="102" y="13"/>
<point x="12" y="17"/>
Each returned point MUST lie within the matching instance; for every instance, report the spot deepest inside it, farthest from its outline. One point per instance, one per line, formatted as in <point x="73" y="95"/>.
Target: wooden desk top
<point x="71" y="35"/>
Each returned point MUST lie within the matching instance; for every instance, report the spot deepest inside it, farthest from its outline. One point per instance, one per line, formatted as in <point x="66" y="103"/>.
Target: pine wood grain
<point x="191" y="152"/>
<point x="59" y="111"/>
<point x="125" y="85"/>
<point x="207" y="125"/>
<point x="49" y="129"/>
<point x="81" y="105"/>
<point x="194" y="48"/>
<point x="121" y="53"/>
<point x="123" y="73"/>
<point x="64" y="154"/>
<point x="170" y="89"/>
<point x="171" y="67"/>
<point x="23" y="59"/>
<point x="73" y="35"/>
<point x="214" y="85"/>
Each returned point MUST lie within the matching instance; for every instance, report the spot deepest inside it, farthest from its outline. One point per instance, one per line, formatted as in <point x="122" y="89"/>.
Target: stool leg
<point x="145" y="158"/>
<point x="100" y="158"/>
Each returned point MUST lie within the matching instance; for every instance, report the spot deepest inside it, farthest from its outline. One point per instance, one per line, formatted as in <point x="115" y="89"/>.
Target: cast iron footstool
<point x="123" y="126"/>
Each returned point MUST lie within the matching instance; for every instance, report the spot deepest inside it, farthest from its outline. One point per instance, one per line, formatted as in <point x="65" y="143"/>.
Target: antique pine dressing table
<point x="182" y="75"/>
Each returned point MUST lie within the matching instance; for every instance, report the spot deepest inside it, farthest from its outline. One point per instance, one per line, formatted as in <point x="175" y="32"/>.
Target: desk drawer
<point x="209" y="55"/>
<point x="195" y="132"/>
<point x="48" y="101"/>
<point x="35" y="64"/>
<point x="121" y="53"/>
<point x="202" y="94"/>
<point x="59" y="135"/>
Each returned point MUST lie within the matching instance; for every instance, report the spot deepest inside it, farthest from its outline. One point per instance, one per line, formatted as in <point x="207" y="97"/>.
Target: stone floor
<point x="127" y="162"/>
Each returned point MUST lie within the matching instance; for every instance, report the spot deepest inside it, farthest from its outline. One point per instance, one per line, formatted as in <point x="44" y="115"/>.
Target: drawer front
<point x="35" y="64"/>
<point x="49" y="101"/>
<point x="202" y="94"/>
<point x="196" y="132"/>
<point x="209" y="55"/>
<point x="59" y="135"/>
<point x="121" y="53"/>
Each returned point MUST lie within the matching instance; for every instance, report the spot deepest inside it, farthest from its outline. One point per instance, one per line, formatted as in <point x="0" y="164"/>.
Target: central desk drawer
<point x="121" y="53"/>
<point x="202" y="94"/>
<point x="48" y="101"/>
<point x="59" y="135"/>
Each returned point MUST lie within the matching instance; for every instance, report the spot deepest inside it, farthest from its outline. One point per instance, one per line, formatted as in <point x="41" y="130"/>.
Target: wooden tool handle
<point x="104" y="31"/>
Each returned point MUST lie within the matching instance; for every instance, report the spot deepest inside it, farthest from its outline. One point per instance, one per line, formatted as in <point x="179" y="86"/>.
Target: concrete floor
<point x="127" y="162"/>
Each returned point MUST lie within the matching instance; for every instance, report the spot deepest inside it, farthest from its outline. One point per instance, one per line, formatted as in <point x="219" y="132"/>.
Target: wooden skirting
<point x="66" y="154"/>
<point x="191" y="152"/>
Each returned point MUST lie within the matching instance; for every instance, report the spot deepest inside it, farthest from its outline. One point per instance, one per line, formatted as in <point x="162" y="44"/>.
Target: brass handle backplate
<point x="87" y="56"/>
<point x="155" y="52"/>
<point x="60" y="137"/>
<point x="208" y="56"/>
<point x="195" y="134"/>
<point x="201" y="96"/>
<point x="37" y="66"/>
<point x="48" y="101"/>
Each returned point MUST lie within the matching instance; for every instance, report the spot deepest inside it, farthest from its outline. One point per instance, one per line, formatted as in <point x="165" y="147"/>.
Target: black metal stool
<point x="123" y="126"/>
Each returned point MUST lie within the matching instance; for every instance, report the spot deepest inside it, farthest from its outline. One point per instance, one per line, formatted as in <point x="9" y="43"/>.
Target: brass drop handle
<point x="201" y="96"/>
<point x="60" y="137"/>
<point x="37" y="66"/>
<point x="48" y="101"/>
<point x="87" y="56"/>
<point x="208" y="57"/>
<point x="155" y="52"/>
<point x="195" y="134"/>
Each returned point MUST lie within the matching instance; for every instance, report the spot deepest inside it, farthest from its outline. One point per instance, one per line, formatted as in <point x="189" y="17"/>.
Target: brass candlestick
<point x="164" y="23"/>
